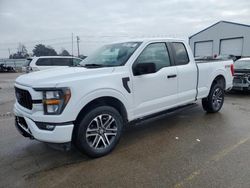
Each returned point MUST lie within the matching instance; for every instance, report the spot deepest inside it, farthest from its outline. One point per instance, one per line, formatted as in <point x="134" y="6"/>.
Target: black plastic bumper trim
<point x="22" y="131"/>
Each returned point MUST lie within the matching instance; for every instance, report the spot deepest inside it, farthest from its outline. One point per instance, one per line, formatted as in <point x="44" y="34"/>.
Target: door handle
<point x="172" y="76"/>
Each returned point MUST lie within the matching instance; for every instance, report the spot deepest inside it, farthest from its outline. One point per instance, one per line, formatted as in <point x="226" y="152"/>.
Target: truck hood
<point x="52" y="77"/>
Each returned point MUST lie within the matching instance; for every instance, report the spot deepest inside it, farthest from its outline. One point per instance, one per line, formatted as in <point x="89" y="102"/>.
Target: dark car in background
<point x="6" y="68"/>
<point x="242" y="74"/>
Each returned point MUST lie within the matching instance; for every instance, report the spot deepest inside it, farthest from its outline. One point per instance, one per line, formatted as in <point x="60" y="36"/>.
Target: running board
<point x="162" y="113"/>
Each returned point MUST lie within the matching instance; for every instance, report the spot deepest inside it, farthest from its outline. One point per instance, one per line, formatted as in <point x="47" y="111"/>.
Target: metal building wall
<point x="223" y="30"/>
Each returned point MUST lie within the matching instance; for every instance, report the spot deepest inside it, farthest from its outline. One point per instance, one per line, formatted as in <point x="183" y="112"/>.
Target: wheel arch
<point x="219" y="79"/>
<point x="104" y="100"/>
<point x="207" y="102"/>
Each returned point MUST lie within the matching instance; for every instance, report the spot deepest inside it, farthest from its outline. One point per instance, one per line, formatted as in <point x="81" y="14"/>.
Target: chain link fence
<point x="17" y="64"/>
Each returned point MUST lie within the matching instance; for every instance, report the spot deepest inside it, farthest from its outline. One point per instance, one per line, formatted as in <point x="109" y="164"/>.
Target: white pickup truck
<point x="120" y="83"/>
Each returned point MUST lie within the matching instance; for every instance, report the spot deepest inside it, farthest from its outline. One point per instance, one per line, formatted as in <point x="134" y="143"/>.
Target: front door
<point x="155" y="92"/>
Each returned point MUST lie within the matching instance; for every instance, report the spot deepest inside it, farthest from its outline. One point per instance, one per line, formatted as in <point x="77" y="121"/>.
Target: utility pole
<point x="78" y="40"/>
<point x="72" y="45"/>
<point x="9" y="52"/>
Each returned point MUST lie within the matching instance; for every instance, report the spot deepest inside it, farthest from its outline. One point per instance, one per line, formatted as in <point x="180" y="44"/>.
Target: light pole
<point x="72" y="49"/>
<point x="78" y="40"/>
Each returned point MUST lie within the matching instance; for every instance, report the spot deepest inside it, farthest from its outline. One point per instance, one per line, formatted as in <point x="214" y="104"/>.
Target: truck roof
<point x="151" y="40"/>
<point x="30" y="58"/>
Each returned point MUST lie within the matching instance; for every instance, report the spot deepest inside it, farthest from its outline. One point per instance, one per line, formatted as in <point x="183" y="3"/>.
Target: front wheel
<point x="214" y="102"/>
<point x="99" y="131"/>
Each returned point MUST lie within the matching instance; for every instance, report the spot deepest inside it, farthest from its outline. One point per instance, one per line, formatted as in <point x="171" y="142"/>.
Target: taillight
<point x="232" y="69"/>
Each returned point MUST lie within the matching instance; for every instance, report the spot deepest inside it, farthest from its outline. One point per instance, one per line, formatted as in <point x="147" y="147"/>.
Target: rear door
<point x="186" y="71"/>
<point x="157" y="91"/>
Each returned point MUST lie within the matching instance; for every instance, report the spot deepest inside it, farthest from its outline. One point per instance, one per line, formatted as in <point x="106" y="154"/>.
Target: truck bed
<point x="206" y="71"/>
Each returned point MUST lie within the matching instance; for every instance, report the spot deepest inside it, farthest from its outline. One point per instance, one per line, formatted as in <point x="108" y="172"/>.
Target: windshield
<point x="242" y="64"/>
<point x="27" y="62"/>
<point x="111" y="55"/>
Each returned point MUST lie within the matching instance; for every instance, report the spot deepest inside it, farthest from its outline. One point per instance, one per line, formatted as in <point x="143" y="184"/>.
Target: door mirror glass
<point x="144" y="68"/>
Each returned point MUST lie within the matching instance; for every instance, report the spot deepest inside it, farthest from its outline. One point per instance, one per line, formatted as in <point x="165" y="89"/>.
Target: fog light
<point x="50" y="127"/>
<point x="45" y="126"/>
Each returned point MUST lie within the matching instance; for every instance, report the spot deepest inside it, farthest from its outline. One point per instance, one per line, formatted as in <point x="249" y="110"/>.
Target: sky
<point x="98" y="22"/>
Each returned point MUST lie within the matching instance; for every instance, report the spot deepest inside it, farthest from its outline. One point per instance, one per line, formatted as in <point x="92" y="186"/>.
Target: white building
<point x="222" y="38"/>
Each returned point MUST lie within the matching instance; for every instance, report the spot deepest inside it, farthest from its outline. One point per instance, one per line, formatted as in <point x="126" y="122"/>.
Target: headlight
<point x="55" y="100"/>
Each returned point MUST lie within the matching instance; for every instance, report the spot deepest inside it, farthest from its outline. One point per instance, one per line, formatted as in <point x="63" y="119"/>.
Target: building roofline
<point x="234" y="23"/>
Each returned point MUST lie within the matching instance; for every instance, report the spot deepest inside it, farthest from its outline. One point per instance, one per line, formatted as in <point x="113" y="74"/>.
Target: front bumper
<point x="241" y="86"/>
<point x="28" y="128"/>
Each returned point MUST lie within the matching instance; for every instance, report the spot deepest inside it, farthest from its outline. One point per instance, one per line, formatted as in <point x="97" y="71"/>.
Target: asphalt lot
<point x="188" y="148"/>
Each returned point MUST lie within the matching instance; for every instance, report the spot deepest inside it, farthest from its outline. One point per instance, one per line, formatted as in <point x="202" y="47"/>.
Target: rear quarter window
<point x="180" y="53"/>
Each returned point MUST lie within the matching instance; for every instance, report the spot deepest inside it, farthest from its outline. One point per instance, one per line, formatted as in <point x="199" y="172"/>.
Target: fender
<point x="103" y="92"/>
<point x="216" y="73"/>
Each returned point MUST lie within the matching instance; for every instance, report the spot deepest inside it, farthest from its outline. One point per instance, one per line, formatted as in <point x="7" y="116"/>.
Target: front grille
<point x="23" y="98"/>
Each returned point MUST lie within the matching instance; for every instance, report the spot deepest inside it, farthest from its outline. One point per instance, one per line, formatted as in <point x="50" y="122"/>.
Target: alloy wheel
<point x="101" y="131"/>
<point x="217" y="98"/>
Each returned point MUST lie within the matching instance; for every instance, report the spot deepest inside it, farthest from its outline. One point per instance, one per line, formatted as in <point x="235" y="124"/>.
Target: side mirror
<point x="144" y="68"/>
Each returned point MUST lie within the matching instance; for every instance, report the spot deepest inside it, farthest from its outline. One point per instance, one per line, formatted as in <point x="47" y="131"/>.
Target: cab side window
<point x="62" y="61"/>
<point x="180" y="53"/>
<point x="156" y="53"/>
<point x="43" y="62"/>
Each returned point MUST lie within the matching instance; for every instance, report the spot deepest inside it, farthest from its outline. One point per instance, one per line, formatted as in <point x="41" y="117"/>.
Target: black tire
<point x="214" y="101"/>
<point x="92" y="138"/>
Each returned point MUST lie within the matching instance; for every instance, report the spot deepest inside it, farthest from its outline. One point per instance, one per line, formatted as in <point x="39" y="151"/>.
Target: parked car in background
<point x="48" y="62"/>
<point x="5" y="68"/>
<point x="121" y="83"/>
<point x="215" y="58"/>
<point x="242" y="74"/>
<point x="225" y="57"/>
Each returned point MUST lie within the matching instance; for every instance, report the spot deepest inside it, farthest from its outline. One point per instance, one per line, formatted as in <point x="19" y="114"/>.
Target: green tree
<point x="42" y="50"/>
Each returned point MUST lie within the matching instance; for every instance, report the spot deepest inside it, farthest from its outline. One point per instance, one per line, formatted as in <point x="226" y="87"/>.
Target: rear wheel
<point x="214" y="102"/>
<point x="99" y="131"/>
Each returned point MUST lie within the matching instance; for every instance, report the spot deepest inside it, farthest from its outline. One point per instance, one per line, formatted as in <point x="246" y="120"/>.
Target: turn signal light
<point x="51" y="101"/>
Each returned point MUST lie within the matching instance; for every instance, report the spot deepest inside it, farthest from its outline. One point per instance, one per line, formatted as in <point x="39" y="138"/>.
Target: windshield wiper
<point x="92" y="65"/>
